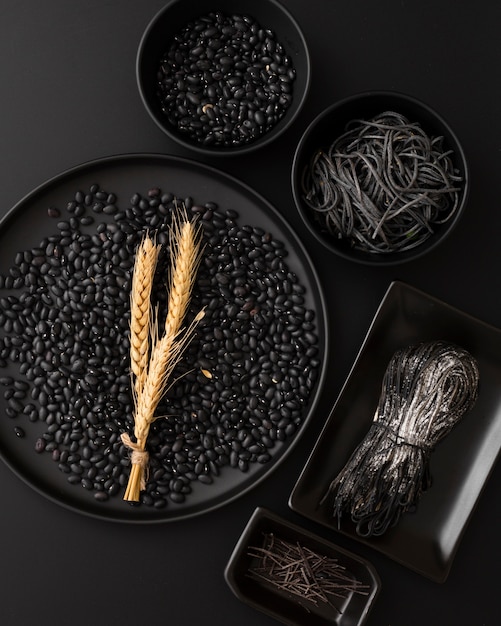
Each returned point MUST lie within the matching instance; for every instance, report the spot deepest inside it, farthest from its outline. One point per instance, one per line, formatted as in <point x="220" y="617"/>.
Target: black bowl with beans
<point x="380" y="178"/>
<point x="223" y="78"/>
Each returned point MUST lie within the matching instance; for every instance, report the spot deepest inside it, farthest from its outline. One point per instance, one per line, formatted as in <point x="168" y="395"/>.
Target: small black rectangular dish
<point x="293" y="610"/>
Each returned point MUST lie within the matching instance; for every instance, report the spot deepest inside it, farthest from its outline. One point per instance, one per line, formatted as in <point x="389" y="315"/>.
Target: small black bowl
<point x="174" y="17"/>
<point x="332" y="123"/>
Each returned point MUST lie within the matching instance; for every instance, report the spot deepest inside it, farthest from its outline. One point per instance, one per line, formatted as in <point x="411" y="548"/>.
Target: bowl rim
<point x="392" y="258"/>
<point x="261" y="141"/>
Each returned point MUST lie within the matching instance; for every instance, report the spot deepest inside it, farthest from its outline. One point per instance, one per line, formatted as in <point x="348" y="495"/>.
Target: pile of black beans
<point x="225" y="80"/>
<point x="244" y="384"/>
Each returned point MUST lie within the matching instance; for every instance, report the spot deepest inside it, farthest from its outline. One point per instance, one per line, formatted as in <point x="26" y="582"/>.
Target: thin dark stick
<point x="301" y="572"/>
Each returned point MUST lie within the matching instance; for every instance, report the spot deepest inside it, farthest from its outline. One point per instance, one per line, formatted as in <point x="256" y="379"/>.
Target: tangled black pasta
<point x="384" y="185"/>
<point x="426" y="389"/>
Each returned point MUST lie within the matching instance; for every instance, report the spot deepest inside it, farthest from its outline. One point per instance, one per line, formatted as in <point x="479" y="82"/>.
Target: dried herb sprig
<point x="152" y="366"/>
<point x="302" y="572"/>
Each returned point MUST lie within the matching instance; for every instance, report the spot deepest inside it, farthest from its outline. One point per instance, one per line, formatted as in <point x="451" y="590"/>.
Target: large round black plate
<point x="28" y="222"/>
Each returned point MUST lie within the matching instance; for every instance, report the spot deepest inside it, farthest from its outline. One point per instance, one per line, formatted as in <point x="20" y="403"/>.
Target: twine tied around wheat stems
<point x="155" y="351"/>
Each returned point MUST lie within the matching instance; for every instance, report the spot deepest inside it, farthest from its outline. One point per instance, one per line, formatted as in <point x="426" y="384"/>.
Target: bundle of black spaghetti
<point x="384" y="185"/>
<point x="426" y="389"/>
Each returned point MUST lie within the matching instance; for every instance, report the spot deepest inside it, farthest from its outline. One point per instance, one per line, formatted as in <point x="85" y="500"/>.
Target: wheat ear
<point x="140" y="309"/>
<point x="166" y="351"/>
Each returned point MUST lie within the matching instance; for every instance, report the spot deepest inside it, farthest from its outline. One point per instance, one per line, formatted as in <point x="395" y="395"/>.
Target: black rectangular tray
<point x="426" y="540"/>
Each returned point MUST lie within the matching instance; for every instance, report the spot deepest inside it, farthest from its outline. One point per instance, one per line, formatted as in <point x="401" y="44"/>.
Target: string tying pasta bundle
<point x="426" y="389"/>
<point x="383" y="185"/>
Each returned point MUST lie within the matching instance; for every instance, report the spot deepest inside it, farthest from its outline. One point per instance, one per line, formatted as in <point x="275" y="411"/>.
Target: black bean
<point x="176" y="497"/>
<point x="101" y="496"/>
<point x="15" y="404"/>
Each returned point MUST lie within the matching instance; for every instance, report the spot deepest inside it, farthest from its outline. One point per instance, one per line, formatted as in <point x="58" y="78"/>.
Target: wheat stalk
<point x="166" y="350"/>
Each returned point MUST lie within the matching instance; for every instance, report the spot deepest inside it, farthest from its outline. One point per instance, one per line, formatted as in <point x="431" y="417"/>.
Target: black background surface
<point x="69" y="95"/>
